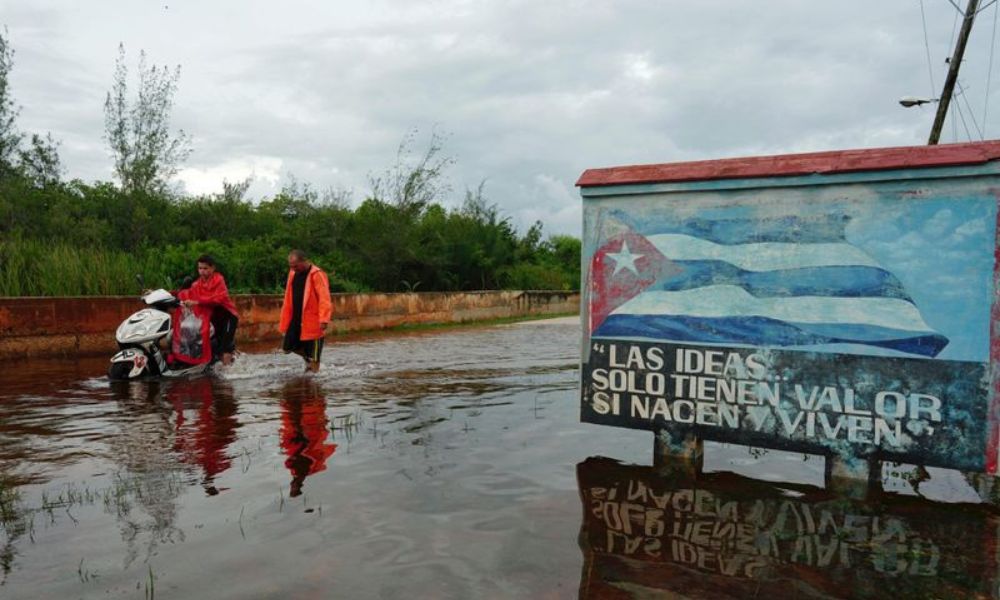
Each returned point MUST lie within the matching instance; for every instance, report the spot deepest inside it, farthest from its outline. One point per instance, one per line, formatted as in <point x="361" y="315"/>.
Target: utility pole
<point x="953" y="66"/>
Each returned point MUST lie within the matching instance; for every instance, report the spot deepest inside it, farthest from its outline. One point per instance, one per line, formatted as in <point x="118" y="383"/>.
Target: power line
<point x="972" y="116"/>
<point x="954" y="27"/>
<point x="989" y="69"/>
<point x="951" y="42"/>
<point x="961" y="115"/>
<point x="927" y="47"/>
<point x="954" y="124"/>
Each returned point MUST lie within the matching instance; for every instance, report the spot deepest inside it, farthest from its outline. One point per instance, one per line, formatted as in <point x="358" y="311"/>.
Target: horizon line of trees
<point x="61" y="237"/>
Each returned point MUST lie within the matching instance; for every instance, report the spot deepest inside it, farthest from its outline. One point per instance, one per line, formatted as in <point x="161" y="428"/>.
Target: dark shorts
<point x="311" y="350"/>
<point x="225" y="324"/>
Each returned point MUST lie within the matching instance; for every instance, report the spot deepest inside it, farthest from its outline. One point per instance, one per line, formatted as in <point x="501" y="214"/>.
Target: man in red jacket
<point x="306" y="310"/>
<point x="209" y="292"/>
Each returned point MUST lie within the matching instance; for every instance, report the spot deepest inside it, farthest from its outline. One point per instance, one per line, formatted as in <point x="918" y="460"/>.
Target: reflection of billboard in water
<point x="723" y="536"/>
<point x="850" y="316"/>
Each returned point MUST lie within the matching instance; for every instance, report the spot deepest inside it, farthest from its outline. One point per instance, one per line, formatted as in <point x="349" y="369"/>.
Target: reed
<point x="31" y="267"/>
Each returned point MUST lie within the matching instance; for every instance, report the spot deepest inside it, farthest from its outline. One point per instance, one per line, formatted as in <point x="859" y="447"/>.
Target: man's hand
<point x="323" y="326"/>
<point x="189" y="303"/>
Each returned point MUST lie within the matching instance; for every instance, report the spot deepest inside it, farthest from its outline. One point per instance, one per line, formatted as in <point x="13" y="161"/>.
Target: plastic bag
<point x="190" y="342"/>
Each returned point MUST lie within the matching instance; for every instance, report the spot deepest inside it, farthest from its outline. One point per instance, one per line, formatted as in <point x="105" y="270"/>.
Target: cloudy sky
<point x="529" y="93"/>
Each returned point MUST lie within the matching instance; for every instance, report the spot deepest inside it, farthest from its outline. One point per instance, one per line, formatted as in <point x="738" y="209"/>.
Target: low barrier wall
<point x="86" y="325"/>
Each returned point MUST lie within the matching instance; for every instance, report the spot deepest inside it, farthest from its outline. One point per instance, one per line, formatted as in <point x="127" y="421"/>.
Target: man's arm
<point x="323" y="295"/>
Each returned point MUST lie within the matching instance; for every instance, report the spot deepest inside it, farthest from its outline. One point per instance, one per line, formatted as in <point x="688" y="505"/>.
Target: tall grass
<point x="38" y="267"/>
<point x="30" y="267"/>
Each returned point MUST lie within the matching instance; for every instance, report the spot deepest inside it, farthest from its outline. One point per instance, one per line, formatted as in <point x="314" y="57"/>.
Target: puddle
<point x="437" y="464"/>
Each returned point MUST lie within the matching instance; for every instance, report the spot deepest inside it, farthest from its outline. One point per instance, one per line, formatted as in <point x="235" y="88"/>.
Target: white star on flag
<point x="624" y="259"/>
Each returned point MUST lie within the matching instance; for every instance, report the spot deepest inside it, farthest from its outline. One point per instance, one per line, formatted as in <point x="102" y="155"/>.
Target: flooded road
<point x="440" y="464"/>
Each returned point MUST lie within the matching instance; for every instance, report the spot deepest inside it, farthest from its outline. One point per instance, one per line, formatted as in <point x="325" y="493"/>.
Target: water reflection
<point x="304" y="431"/>
<point x="205" y="425"/>
<point x="645" y="533"/>
<point x="453" y="477"/>
<point x="452" y="459"/>
<point x="148" y="482"/>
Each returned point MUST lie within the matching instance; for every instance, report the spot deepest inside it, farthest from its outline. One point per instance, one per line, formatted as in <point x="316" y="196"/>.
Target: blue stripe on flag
<point x="836" y="281"/>
<point x="762" y="331"/>
<point x="790" y="229"/>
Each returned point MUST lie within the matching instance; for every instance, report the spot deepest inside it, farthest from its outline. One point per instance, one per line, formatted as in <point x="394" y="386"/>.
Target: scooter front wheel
<point x="119" y="371"/>
<point x="129" y="364"/>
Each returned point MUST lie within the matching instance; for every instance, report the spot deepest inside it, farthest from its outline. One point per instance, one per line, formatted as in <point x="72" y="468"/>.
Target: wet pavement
<point x="439" y="464"/>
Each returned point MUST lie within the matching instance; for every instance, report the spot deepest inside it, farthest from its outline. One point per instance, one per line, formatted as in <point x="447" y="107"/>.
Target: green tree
<point x="10" y="138"/>
<point x="39" y="161"/>
<point x="410" y="184"/>
<point x="146" y="154"/>
<point x="566" y="253"/>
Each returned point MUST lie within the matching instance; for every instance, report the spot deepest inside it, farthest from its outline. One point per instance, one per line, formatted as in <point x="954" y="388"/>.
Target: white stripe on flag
<point x="717" y="301"/>
<point x="764" y="256"/>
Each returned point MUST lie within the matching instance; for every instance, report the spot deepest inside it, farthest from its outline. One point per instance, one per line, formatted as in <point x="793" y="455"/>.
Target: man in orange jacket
<point x="306" y="310"/>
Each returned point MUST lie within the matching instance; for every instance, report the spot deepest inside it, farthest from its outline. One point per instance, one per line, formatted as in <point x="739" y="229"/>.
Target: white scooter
<point x="139" y="336"/>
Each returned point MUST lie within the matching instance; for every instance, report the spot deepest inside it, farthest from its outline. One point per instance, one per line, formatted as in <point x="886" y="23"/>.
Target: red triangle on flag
<point x="620" y="270"/>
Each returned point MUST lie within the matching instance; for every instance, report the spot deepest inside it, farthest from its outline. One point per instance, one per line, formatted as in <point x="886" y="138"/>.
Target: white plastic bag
<point x="190" y="342"/>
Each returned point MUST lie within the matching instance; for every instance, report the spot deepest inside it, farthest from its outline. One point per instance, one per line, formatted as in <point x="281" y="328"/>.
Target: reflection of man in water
<point x="304" y="431"/>
<point x="205" y="441"/>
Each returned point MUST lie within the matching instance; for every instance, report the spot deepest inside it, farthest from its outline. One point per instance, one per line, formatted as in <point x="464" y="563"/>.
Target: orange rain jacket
<point x="316" y="305"/>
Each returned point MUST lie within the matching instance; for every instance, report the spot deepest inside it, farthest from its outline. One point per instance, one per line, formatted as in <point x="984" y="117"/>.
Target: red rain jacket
<point x="209" y="294"/>
<point x="212" y="293"/>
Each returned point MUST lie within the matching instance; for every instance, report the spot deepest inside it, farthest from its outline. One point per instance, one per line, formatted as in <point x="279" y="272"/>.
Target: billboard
<point x="845" y="314"/>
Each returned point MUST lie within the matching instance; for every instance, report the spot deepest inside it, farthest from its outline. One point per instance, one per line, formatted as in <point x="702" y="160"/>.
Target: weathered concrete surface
<point x="86" y="325"/>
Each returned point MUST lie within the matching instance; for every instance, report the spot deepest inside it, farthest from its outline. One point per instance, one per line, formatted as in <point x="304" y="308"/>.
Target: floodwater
<point x="440" y="464"/>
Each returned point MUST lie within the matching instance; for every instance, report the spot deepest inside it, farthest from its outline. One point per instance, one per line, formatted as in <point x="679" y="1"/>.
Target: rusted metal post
<point x="678" y="453"/>
<point x="986" y="486"/>
<point x="855" y="476"/>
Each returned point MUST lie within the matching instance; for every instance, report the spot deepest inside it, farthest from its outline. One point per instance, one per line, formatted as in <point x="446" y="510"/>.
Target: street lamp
<point x="909" y="101"/>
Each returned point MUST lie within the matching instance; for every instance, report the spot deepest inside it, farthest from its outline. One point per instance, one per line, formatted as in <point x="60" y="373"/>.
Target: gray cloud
<point x="530" y="93"/>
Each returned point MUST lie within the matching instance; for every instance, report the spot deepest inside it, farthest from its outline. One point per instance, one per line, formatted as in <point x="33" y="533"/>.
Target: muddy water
<point x="445" y="464"/>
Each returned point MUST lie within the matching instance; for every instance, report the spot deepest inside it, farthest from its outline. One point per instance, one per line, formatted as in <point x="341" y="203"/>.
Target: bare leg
<point x="310" y="365"/>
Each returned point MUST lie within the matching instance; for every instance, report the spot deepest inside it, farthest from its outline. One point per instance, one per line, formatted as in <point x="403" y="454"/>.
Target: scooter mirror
<point x="140" y="280"/>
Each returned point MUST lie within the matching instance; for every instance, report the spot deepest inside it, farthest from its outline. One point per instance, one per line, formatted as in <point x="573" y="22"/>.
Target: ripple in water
<point x="443" y="464"/>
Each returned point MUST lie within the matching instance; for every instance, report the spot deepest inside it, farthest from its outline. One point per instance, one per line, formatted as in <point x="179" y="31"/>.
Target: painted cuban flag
<point x="780" y="282"/>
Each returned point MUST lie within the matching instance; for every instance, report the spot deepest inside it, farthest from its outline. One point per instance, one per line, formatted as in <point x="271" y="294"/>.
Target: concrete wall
<point x="86" y="325"/>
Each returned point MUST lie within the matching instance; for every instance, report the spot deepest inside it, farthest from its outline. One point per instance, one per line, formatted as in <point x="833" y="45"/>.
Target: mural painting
<point x="849" y="319"/>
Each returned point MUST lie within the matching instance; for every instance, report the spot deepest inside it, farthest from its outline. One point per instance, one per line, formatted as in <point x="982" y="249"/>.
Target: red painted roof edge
<point x="837" y="161"/>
